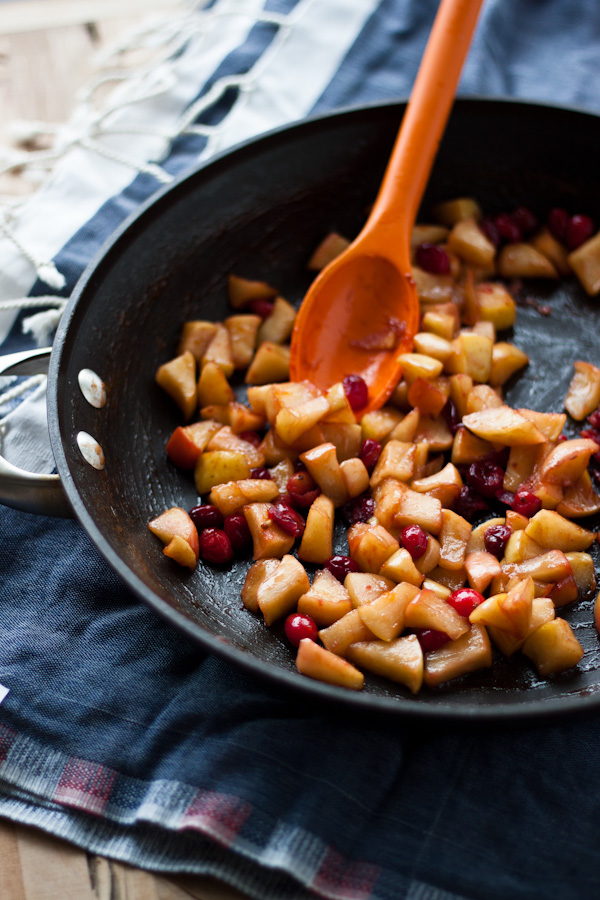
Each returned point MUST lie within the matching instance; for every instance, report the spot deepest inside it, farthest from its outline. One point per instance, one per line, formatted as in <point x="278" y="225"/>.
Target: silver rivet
<point x="92" y="388"/>
<point x="91" y="450"/>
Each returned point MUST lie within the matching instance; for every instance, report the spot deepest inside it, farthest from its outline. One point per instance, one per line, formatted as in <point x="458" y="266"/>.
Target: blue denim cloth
<point x="123" y="736"/>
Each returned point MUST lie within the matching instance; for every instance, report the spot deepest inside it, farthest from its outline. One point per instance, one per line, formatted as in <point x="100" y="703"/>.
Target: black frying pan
<point x="258" y="212"/>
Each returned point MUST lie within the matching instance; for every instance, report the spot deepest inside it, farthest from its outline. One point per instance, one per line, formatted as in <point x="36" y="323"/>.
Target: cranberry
<point x="469" y="503"/>
<point x="236" y="529"/>
<point x="356" y="391"/>
<point x="252" y="437"/>
<point x="451" y="416"/>
<point x="432" y="258"/>
<point x="488" y="226"/>
<point x="288" y="519"/>
<point x="414" y="539"/>
<point x="215" y="546"/>
<point x="464" y="600"/>
<point x="206" y="516"/>
<point x="261" y="472"/>
<point x="370" y="452"/>
<point x="579" y="230"/>
<point x="594" y="418"/>
<point x="302" y="489"/>
<point x="261" y="307"/>
<point x="525" y="219"/>
<point x="526" y="503"/>
<point x="485" y="477"/>
<point x="508" y="228"/>
<point x="340" y="566"/>
<point x="558" y="219"/>
<point x="358" y="510"/>
<point x="591" y="434"/>
<point x="431" y="639"/>
<point x="298" y="627"/>
<point x="495" y="539"/>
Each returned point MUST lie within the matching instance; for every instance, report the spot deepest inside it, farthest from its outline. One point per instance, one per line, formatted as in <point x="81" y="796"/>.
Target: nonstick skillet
<point x="259" y="211"/>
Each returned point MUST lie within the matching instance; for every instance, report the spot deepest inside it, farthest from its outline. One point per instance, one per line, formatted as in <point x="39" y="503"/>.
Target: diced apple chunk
<point x="355" y="475"/>
<point x="268" y="538"/>
<point x="542" y="611"/>
<point x="503" y="425"/>
<point x="481" y="568"/>
<point x="583" y="395"/>
<point x="468" y="653"/>
<point x="178" y="378"/>
<point x="322" y="463"/>
<point x="233" y="495"/>
<point x="385" y="615"/>
<point x="255" y="576"/>
<point x="279" y="592"/>
<point x="506" y="360"/>
<point x="520" y="260"/>
<point x="243" y="330"/>
<point x="242" y="290"/>
<point x="585" y="262"/>
<point x="453" y="537"/>
<point x="400" y="660"/>
<point x="444" y="485"/>
<point x="396" y="461"/>
<point x="400" y="567"/>
<point x="428" y="610"/>
<point x="213" y="387"/>
<point x="219" y="466"/>
<point x="496" y="305"/>
<point x="364" y="587"/>
<point x="469" y="242"/>
<point x="319" y="663"/>
<point x="329" y="248"/>
<point x="277" y="327"/>
<point x="370" y="546"/>
<point x="552" y="531"/>
<point x="187" y="442"/>
<point x="326" y="601"/>
<point x="344" y="632"/>
<point x="553" y="647"/>
<point x="271" y="363"/>
<point x="419" y="509"/>
<point x="317" y="541"/>
<point x="566" y="463"/>
<point x="172" y="524"/>
<point x="195" y="338"/>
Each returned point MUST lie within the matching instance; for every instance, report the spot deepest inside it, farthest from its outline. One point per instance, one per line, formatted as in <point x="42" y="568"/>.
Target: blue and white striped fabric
<point x="120" y="735"/>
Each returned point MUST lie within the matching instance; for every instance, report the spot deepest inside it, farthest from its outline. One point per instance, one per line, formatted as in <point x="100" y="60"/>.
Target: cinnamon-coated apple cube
<point x="584" y="573"/>
<point x="271" y="363"/>
<point x="175" y="528"/>
<point x="243" y="330"/>
<point x="385" y="615"/>
<point x="441" y="590"/>
<point x="241" y="291"/>
<point x="317" y="541"/>
<point x="496" y="305"/>
<point x="286" y="396"/>
<point x="340" y="410"/>
<point x="516" y="521"/>
<point x="379" y="424"/>
<point x="433" y="288"/>
<point x="564" y="592"/>
<point x="388" y="496"/>
<point x="281" y="473"/>
<point x="396" y="461"/>
<point x="399" y="396"/>
<point x="428" y="610"/>
<point x="241" y="418"/>
<point x="481" y="568"/>
<point x="346" y="437"/>
<point x="329" y="248"/>
<point x="278" y="594"/>
<point x="219" y="466"/>
<point x="579" y="499"/>
<point x="291" y="422"/>
<point x="457" y="362"/>
<point x="419" y="509"/>
<point x="449" y="212"/>
<point x="187" y="442"/>
<point x="461" y="385"/>
<point x="219" y="351"/>
<point x="428" y="562"/>
<point x="468" y="241"/>
<point x="323" y="465"/>
<point x="407" y="427"/>
<point x="344" y="632"/>
<point x="503" y="425"/>
<point x="257" y="397"/>
<point x="553" y="647"/>
<point x="355" y="475"/>
<point x="506" y="360"/>
<point x="213" y="387"/>
<point x="542" y="611"/>
<point x="216" y="413"/>
<point x="417" y="365"/>
<point x="478" y="352"/>
<point x="450" y="578"/>
<point x="431" y="344"/>
<point x="520" y="260"/>
<point x="400" y="660"/>
<point x="476" y="542"/>
<point x="427" y="234"/>
<point x="269" y="540"/>
<point x="439" y="323"/>
<point x="482" y="396"/>
<point x="552" y="531"/>
<point x="566" y="463"/>
<point x="552" y="566"/>
<point x="585" y="262"/>
<point x="326" y="601"/>
<point x="178" y="378"/>
<point x="231" y="496"/>
<point x="517" y="605"/>
<point x="277" y="327"/>
<point x="317" y="662"/>
<point x="307" y="440"/>
<point x="522" y="463"/>
<point x="256" y="574"/>
<point x="453" y="537"/>
<point x="519" y="547"/>
<point x="468" y="448"/>
<point x="274" y="452"/>
<point x="433" y="432"/>
<point x="225" y="439"/>
<point x="400" y="567"/>
<point x="549" y="424"/>
<point x="195" y="338"/>
<point x="583" y="395"/>
<point x="364" y="587"/>
<point x="423" y="465"/>
<point x="554" y="250"/>
<point x="445" y="485"/>
<point x="468" y="653"/>
<point x="429" y="397"/>
<point x="370" y="546"/>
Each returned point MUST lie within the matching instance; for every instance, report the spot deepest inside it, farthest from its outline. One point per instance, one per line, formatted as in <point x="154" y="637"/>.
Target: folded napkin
<point x="120" y="734"/>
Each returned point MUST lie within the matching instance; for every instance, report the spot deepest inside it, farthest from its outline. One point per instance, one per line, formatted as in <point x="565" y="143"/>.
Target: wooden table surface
<point x="47" y="52"/>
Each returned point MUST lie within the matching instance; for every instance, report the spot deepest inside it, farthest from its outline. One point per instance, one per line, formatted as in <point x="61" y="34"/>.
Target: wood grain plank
<point x="133" y="884"/>
<point x="206" y="888"/>
<point x="52" y="868"/>
<point x="11" y="879"/>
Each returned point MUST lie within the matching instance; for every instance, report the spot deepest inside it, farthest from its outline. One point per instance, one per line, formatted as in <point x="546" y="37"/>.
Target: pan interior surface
<point x="259" y="212"/>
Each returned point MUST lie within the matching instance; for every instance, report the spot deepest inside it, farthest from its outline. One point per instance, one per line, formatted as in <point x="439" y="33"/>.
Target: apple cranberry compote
<point x="424" y="588"/>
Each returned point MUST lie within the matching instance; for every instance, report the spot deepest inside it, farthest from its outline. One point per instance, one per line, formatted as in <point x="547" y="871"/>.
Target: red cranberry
<point x="464" y="600"/>
<point x="356" y="391"/>
<point x="431" y="639"/>
<point x="496" y="538"/>
<point x="590" y="434"/>
<point x="261" y="472"/>
<point x="505" y="497"/>
<point x="485" y="477"/>
<point x="451" y="416"/>
<point x="236" y="529"/>
<point x="215" y="546"/>
<point x="302" y="489"/>
<point x="206" y="516"/>
<point x="525" y="219"/>
<point x="488" y="226"/>
<point x="508" y="228"/>
<point x="432" y="258"/>
<point x="298" y="627"/>
<point x="526" y="503"/>
<point x="370" y="452"/>
<point x="414" y="539"/>
<point x="251" y="436"/>
<point x="594" y="418"/>
<point x="469" y="503"/>
<point x="358" y="510"/>
<point x="340" y="566"/>
<point x="579" y="230"/>
<point x="261" y="307"/>
<point x="558" y="219"/>
<point x="288" y="519"/>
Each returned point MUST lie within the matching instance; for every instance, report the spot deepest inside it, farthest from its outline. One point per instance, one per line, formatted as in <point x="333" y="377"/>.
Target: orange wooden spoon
<point x="362" y="310"/>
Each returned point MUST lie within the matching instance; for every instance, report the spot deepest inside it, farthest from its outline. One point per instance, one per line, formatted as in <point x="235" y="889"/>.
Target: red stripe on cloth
<point x="7" y="739"/>
<point x="221" y="815"/>
<point x="85" y="785"/>
<point x="341" y="878"/>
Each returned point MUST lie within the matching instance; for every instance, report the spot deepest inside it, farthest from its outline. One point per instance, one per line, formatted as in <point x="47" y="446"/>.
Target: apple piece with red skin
<point x="174" y="526"/>
<point x="186" y="444"/>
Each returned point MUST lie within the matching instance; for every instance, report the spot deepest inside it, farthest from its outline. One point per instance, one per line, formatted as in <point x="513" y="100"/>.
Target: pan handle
<point x="41" y="494"/>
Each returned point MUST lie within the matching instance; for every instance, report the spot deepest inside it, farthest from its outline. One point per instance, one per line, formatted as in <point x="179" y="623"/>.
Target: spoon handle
<point x="425" y="118"/>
